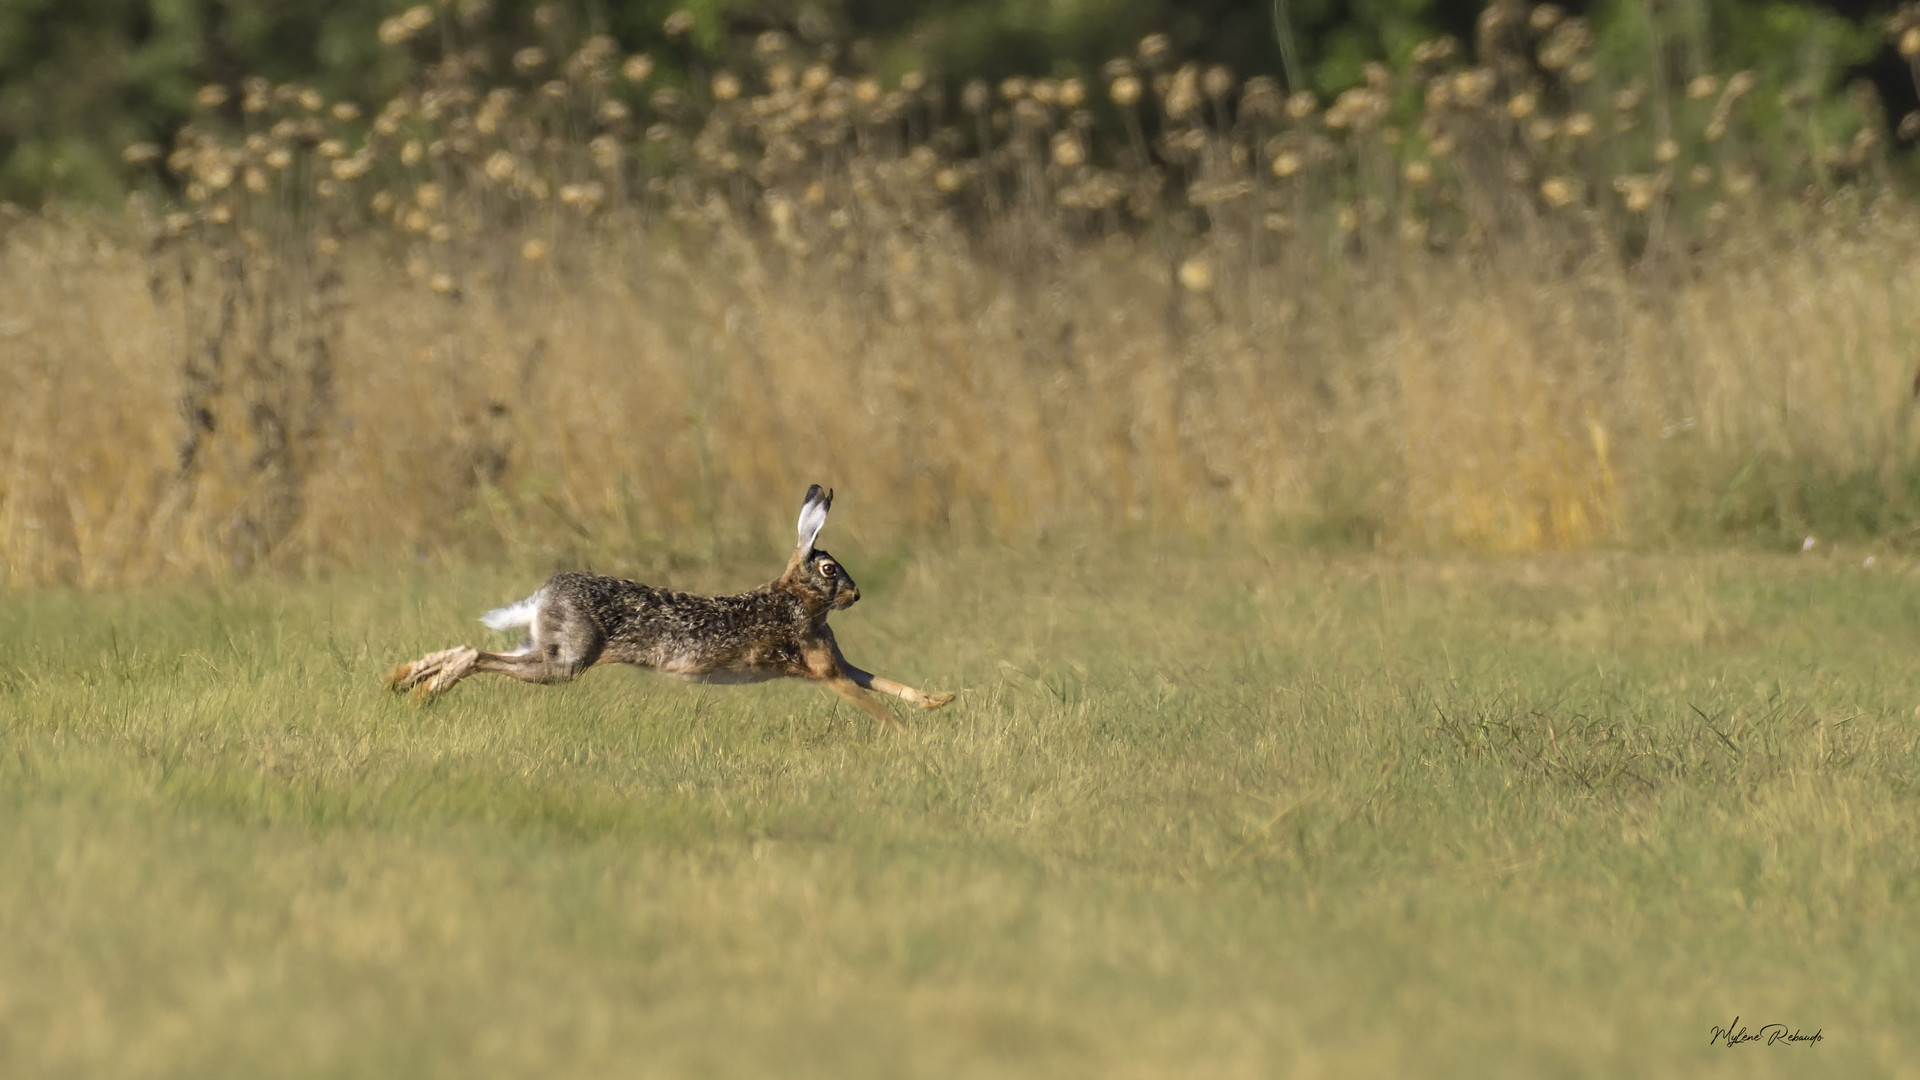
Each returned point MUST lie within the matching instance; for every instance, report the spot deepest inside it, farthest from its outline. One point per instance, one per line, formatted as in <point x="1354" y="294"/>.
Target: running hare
<point x="778" y="630"/>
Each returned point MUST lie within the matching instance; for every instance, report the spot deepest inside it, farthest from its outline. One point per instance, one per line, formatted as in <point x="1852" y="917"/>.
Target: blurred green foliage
<point x="80" y="79"/>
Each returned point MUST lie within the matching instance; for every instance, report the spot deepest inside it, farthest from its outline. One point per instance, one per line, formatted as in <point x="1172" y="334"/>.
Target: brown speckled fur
<point x="778" y="630"/>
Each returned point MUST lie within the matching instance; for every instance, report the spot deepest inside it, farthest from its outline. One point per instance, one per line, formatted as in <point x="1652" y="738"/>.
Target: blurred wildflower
<point x="1438" y="50"/>
<point x="405" y="25"/>
<point x="1067" y="151"/>
<point x="1217" y="82"/>
<point x="1183" y="95"/>
<point x="349" y="169"/>
<point x="1637" y="192"/>
<point x="1260" y="97"/>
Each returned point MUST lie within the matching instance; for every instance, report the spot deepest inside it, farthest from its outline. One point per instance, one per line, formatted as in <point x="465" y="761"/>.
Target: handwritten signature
<point x="1770" y="1034"/>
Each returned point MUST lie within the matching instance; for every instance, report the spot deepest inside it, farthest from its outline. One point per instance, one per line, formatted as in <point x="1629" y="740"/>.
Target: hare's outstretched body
<point x="776" y="631"/>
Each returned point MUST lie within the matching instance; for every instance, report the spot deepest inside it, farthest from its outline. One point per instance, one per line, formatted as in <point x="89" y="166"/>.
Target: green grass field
<point x="1205" y="814"/>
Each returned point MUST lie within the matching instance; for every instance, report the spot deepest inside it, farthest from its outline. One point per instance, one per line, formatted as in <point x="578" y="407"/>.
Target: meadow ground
<point x="1199" y="813"/>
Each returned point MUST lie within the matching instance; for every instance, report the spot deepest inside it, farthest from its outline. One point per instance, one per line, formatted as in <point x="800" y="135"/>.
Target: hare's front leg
<point x="823" y="667"/>
<point x="867" y="680"/>
<point x="850" y="690"/>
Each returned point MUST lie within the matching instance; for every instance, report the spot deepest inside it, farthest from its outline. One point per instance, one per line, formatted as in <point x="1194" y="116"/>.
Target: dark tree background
<point x="80" y="79"/>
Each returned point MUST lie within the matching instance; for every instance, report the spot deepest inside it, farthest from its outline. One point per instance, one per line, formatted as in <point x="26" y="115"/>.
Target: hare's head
<point x="814" y="573"/>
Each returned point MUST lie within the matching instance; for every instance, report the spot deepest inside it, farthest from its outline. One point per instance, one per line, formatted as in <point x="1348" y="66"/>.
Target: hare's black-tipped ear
<point x="813" y="514"/>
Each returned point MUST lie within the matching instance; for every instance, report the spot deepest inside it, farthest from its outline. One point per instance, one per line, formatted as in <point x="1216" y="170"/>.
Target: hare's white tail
<point x="515" y="616"/>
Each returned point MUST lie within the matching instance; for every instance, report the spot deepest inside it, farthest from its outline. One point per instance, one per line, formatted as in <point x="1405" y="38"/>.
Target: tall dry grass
<point x="537" y="305"/>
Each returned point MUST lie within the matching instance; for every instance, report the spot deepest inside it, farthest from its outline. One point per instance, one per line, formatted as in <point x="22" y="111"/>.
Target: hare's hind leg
<point x="562" y="641"/>
<point x="436" y="673"/>
<point x="867" y="680"/>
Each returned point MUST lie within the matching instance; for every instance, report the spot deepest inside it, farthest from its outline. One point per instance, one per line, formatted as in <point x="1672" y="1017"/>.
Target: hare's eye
<point x="826" y="569"/>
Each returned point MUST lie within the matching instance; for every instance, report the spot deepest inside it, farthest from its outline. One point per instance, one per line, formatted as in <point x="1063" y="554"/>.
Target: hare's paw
<point x="403" y="676"/>
<point x="423" y="694"/>
<point x="433" y="674"/>
<point x="934" y="701"/>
